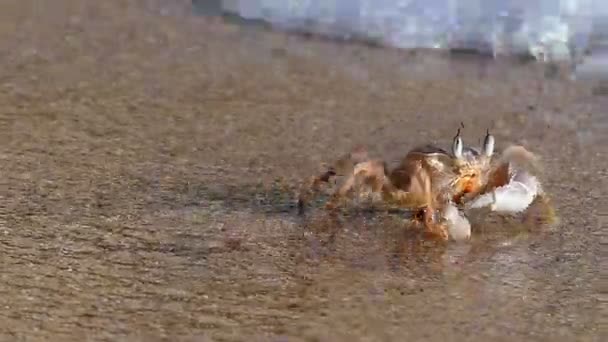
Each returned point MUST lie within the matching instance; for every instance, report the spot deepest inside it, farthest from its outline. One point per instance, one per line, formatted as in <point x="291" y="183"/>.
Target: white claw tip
<point x="459" y="227"/>
<point x="457" y="146"/>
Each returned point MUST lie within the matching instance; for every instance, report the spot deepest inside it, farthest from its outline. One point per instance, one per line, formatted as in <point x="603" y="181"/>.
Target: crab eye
<point x="457" y="146"/>
<point x="488" y="144"/>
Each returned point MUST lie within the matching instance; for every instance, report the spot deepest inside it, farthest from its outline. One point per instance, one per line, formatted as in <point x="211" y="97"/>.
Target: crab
<point x="440" y="186"/>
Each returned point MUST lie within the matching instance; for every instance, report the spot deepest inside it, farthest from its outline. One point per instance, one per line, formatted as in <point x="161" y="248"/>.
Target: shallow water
<point x="150" y="165"/>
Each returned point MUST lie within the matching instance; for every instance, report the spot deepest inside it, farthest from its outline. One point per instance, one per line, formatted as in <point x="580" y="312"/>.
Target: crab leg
<point x="310" y="188"/>
<point x="420" y="194"/>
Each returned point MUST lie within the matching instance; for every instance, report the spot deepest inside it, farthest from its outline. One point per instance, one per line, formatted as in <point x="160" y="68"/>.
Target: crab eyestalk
<point x="457" y="146"/>
<point x="488" y="144"/>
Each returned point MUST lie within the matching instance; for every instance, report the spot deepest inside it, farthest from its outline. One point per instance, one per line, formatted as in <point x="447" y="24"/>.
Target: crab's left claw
<point x="458" y="226"/>
<point x="513" y="197"/>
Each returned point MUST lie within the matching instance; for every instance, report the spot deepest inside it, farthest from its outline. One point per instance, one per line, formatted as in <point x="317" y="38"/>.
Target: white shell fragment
<point x="513" y="197"/>
<point x="459" y="227"/>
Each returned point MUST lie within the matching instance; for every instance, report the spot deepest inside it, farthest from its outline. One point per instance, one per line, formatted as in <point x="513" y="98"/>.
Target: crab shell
<point x="452" y="177"/>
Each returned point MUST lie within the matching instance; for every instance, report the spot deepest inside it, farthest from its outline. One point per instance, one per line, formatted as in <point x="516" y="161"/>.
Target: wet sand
<point x="149" y="160"/>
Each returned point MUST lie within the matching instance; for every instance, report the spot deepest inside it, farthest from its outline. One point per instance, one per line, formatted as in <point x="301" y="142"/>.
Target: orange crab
<point x="438" y="186"/>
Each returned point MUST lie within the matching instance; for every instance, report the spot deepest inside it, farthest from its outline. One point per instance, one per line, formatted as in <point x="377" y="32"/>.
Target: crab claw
<point x="458" y="226"/>
<point x="447" y="223"/>
<point x="513" y="197"/>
